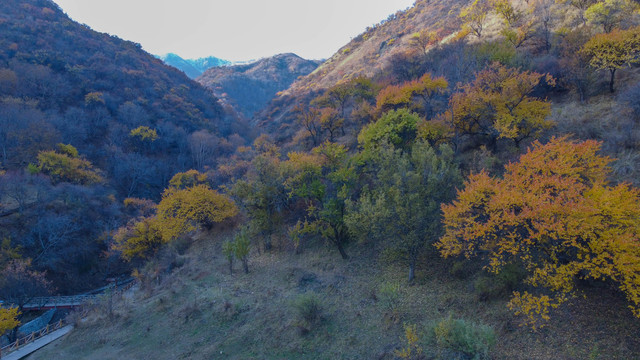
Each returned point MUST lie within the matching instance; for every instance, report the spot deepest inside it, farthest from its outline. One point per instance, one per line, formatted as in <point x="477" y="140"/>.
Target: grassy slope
<point x="202" y="312"/>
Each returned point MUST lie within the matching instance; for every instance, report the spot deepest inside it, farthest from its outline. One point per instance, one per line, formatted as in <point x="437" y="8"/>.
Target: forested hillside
<point x="86" y="120"/>
<point x="460" y="182"/>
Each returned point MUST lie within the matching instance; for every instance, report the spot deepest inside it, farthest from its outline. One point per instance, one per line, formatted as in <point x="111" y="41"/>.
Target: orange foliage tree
<point x="499" y="104"/>
<point x="555" y="214"/>
<point x="409" y="94"/>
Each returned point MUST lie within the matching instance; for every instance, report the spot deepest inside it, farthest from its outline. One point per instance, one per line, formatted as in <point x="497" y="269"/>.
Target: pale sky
<point x="234" y="30"/>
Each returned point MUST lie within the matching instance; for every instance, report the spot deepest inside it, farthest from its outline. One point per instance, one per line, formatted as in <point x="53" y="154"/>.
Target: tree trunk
<point x="412" y="270"/>
<point x="613" y="73"/>
<point x="231" y="267"/>
<point x="245" y="265"/>
<point x="341" y="250"/>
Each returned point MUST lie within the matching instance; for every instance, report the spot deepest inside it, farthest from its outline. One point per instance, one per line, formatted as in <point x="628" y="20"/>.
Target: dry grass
<point x="202" y="312"/>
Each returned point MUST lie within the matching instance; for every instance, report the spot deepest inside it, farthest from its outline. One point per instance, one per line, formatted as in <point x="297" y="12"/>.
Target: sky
<point x="234" y="30"/>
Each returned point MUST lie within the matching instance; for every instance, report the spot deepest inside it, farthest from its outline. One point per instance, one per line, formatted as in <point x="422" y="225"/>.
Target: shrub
<point x="389" y="297"/>
<point x="412" y="350"/>
<point x="308" y="308"/>
<point x="475" y="340"/>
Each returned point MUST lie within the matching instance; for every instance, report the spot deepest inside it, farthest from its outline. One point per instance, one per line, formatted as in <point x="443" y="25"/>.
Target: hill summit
<point x="192" y="67"/>
<point x="248" y="88"/>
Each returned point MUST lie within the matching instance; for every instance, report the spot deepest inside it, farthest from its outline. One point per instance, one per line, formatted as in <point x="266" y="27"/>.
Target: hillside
<point x="248" y="88"/>
<point x="461" y="181"/>
<point x="192" y="67"/>
<point x="368" y="54"/>
<point x="203" y="312"/>
<point x="127" y="122"/>
<point x="92" y="89"/>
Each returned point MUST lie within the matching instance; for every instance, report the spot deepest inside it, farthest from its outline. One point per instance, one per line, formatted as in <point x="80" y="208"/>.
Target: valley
<point x="459" y="181"/>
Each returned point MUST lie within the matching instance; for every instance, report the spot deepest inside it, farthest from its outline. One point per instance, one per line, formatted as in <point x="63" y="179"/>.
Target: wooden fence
<point x="5" y="350"/>
<point x="62" y="302"/>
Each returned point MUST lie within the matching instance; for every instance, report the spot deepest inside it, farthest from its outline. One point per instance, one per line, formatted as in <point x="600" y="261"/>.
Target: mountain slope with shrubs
<point x="87" y="120"/>
<point x="476" y="197"/>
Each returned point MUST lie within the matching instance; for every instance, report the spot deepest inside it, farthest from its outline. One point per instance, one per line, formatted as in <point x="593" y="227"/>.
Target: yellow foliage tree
<point x="424" y="89"/>
<point x="498" y="104"/>
<point x="187" y="179"/>
<point x="613" y="51"/>
<point x="182" y="211"/>
<point x="140" y="239"/>
<point x="555" y="214"/>
<point x="474" y="16"/>
<point x="8" y="319"/>
<point x="65" y="165"/>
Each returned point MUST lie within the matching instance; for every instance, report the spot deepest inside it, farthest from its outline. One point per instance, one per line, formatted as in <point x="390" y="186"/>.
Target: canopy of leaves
<point x="609" y="13"/>
<point x="474" y="16"/>
<point x="8" y="319"/>
<point x="144" y="133"/>
<point x="182" y="211"/>
<point x="324" y="181"/>
<point x="66" y="166"/>
<point x="139" y="239"/>
<point x="424" y="89"/>
<point x="555" y="213"/>
<point x="188" y="179"/>
<point x="403" y="208"/>
<point x="614" y="50"/>
<point x="396" y="127"/>
<point x="499" y="104"/>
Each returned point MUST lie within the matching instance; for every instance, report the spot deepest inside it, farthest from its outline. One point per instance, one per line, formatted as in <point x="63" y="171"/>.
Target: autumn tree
<point x="613" y="51"/>
<point x="262" y="194"/>
<point x="474" y="16"/>
<point x="19" y="284"/>
<point x="144" y="133"/>
<point x="241" y="248"/>
<point x="324" y="181"/>
<point x="65" y="165"/>
<point x="581" y="5"/>
<point x="187" y="179"/>
<point x="184" y="210"/>
<point x="411" y="93"/>
<point x="140" y="239"/>
<point x="499" y="104"/>
<point x="609" y="13"/>
<point x="143" y="137"/>
<point x="8" y="319"/>
<point x="423" y="40"/>
<point x="555" y="214"/>
<point x="507" y="12"/>
<point x="340" y="96"/>
<point x="331" y="122"/>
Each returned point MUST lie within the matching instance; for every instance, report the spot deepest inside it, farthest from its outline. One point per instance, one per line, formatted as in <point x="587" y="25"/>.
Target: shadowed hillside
<point x="248" y="88"/>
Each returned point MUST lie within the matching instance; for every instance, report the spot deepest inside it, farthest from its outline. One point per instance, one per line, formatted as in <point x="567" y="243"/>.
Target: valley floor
<point x="200" y="311"/>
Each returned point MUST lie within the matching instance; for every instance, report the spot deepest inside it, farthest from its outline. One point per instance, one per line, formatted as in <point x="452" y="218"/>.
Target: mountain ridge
<point x="192" y="67"/>
<point x="249" y="87"/>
